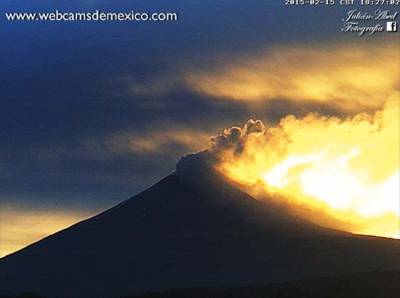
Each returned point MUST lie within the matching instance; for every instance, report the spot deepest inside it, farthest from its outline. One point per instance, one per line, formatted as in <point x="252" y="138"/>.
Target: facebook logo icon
<point x="391" y="26"/>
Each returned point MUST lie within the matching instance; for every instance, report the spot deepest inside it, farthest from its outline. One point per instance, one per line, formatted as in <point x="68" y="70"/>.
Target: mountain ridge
<point x="182" y="232"/>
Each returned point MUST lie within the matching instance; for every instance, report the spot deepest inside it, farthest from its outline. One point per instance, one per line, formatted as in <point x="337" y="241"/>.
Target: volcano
<point x="192" y="229"/>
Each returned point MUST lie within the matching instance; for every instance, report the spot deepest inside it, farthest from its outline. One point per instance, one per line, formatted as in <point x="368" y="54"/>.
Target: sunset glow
<point x="346" y="168"/>
<point x="21" y="226"/>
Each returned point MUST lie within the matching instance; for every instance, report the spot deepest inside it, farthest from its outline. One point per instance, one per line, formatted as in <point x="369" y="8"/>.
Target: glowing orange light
<point x="348" y="168"/>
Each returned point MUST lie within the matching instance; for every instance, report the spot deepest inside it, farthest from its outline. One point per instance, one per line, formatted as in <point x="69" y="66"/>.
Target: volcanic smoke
<point x="336" y="172"/>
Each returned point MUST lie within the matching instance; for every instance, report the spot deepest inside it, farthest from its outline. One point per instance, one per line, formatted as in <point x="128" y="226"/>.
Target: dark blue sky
<point x="65" y="89"/>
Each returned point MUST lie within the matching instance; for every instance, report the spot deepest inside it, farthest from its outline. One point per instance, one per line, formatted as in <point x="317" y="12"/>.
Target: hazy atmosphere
<point x="93" y="113"/>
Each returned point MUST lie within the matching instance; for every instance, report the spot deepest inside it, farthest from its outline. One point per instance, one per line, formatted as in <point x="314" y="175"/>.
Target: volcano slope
<point x="192" y="229"/>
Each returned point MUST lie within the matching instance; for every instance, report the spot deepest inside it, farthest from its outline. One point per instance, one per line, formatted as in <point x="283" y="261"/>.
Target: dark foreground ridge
<point x="357" y="285"/>
<point x="190" y="230"/>
<point x="383" y="284"/>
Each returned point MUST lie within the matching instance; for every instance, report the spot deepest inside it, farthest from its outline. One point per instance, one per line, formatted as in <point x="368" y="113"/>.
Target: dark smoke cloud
<point x="194" y="168"/>
<point x="235" y="138"/>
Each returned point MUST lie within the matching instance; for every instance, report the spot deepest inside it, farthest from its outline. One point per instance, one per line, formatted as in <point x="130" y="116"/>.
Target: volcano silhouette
<point x="191" y="229"/>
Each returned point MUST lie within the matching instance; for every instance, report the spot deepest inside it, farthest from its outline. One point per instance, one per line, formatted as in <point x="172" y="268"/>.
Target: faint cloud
<point x="154" y="86"/>
<point x="348" y="77"/>
<point x="159" y="141"/>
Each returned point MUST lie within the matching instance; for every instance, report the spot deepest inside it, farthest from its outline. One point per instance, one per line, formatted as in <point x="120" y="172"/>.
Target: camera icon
<point x="391" y="26"/>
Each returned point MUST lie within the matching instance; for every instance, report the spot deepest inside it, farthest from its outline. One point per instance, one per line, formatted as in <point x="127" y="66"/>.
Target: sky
<point x="94" y="112"/>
